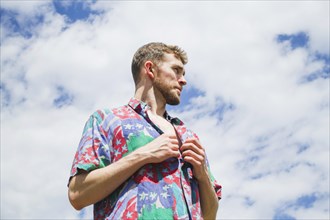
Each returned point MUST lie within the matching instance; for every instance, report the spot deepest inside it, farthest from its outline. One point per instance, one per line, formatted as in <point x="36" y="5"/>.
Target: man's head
<point x="154" y="52"/>
<point x="163" y="66"/>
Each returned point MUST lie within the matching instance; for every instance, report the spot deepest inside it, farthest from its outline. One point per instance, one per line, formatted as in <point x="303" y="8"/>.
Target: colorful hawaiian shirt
<point x="165" y="190"/>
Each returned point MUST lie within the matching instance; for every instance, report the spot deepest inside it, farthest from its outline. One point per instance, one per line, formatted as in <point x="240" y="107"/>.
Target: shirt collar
<point x="141" y="108"/>
<point x="173" y="120"/>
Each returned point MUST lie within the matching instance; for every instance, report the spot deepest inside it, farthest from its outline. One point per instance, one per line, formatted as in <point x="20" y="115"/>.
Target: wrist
<point x="139" y="158"/>
<point x="203" y="177"/>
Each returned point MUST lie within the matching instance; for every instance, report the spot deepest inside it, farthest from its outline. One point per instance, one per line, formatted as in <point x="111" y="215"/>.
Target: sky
<point x="257" y="96"/>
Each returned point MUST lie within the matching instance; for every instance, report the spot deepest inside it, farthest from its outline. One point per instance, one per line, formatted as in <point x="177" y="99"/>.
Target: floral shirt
<point x="164" y="190"/>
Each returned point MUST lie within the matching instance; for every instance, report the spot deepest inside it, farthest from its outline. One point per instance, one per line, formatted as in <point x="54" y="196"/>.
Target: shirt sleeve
<point x="92" y="152"/>
<point x="217" y="187"/>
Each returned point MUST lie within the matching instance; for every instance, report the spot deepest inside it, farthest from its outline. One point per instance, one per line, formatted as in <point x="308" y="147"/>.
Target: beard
<point x="167" y="91"/>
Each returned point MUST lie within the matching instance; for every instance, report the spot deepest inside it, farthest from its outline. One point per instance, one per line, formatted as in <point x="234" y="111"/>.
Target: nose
<point x="182" y="81"/>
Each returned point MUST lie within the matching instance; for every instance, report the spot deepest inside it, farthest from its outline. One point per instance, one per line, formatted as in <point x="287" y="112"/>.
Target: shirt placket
<point x="184" y="176"/>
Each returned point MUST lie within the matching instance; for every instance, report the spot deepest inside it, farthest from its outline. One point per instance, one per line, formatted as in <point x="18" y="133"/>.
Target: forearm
<point x="194" y="153"/>
<point x="208" y="197"/>
<point x="88" y="188"/>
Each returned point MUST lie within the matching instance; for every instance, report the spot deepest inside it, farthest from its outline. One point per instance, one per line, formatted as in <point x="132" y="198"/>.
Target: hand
<point x="194" y="153"/>
<point x="163" y="147"/>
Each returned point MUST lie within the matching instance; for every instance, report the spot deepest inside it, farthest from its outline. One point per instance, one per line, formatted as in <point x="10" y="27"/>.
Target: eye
<point x="176" y="70"/>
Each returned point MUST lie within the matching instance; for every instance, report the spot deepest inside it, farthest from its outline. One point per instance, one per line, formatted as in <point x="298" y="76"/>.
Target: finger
<point x="192" y="161"/>
<point x="172" y="143"/>
<point x="165" y="138"/>
<point x="193" y="147"/>
<point x="174" y="139"/>
<point x="176" y="154"/>
<point x="192" y="154"/>
<point x="169" y="135"/>
<point x="175" y="147"/>
<point x="194" y="141"/>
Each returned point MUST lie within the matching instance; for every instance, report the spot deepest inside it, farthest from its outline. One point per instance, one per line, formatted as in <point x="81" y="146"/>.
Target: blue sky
<point x="257" y="96"/>
<point x="75" y="11"/>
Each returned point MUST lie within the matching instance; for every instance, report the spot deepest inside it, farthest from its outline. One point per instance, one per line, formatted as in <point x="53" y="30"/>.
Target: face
<point x="169" y="79"/>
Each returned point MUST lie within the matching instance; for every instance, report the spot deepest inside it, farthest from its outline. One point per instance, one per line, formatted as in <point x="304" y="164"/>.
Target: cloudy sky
<point x="257" y="96"/>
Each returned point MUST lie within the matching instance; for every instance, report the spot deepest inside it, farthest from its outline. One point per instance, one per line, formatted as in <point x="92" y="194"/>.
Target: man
<point x="138" y="162"/>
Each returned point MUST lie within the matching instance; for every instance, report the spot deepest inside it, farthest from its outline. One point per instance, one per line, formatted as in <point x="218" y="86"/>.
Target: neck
<point x="149" y="96"/>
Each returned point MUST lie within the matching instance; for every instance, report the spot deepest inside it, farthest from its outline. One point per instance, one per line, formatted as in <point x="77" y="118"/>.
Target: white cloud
<point x="233" y="54"/>
<point x="27" y="7"/>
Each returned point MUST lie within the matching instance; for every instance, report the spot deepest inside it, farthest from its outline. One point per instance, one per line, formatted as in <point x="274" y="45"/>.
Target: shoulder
<point x="106" y="116"/>
<point x="104" y="113"/>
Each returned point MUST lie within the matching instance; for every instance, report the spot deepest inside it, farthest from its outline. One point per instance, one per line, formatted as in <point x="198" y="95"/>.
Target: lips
<point x="180" y="89"/>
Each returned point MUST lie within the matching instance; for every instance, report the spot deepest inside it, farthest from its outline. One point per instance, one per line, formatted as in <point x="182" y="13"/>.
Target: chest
<point x="164" y="125"/>
<point x="130" y="133"/>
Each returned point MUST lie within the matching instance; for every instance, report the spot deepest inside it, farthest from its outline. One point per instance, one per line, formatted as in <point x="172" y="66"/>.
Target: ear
<point x="148" y="66"/>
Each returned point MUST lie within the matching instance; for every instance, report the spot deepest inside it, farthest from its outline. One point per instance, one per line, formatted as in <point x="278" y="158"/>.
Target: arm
<point x="193" y="152"/>
<point x="209" y="199"/>
<point x="88" y="188"/>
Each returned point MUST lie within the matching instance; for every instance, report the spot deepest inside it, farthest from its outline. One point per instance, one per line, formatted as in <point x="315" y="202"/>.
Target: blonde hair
<point x="154" y="52"/>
